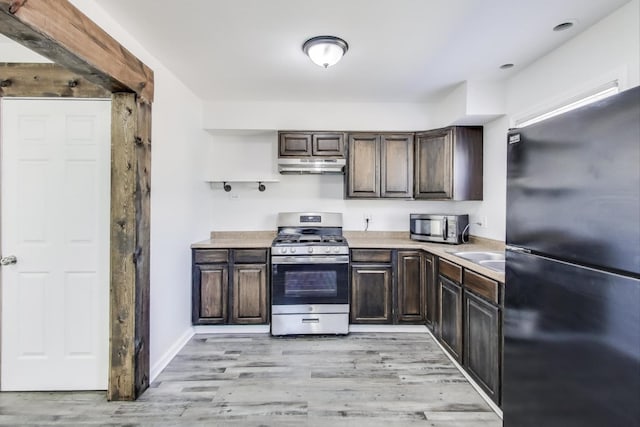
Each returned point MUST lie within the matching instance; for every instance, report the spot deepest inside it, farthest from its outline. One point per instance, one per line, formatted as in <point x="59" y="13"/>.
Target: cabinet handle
<point x="313" y="320"/>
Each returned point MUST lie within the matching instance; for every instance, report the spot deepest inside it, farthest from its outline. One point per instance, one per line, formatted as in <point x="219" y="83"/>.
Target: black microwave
<point x="439" y="228"/>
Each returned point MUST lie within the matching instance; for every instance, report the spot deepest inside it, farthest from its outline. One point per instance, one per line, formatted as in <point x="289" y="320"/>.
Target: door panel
<point x="434" y="163"/>
<point x="249" y="293"/>
<point x="363" y="176"/>
<point x="571" y="345"/>
<point x="450" y="316"/>
<point x="55" y="220"/>
<point x="396" y="166"/>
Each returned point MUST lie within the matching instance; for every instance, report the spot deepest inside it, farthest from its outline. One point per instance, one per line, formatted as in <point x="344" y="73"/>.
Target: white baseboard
<point x="265" y="329"/>
<point x="232" y="329"/>
<point x="389" y="328"/>
<point x="484" y="395"/>
<point x="168" y="356"/>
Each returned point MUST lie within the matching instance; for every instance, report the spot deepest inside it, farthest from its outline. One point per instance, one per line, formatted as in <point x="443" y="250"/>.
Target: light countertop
<point x="364" y="240"/>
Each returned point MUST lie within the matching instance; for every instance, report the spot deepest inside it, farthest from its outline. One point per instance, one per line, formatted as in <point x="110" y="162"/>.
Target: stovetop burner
<point x="308" y="239"/>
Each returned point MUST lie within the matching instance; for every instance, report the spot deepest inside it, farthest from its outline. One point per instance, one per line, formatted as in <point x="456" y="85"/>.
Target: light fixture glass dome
<point x="325" y="50"/>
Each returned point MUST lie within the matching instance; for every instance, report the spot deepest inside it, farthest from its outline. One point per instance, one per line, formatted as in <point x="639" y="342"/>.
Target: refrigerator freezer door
<point x="571" y="346"/>
<point x="573" y="185"/>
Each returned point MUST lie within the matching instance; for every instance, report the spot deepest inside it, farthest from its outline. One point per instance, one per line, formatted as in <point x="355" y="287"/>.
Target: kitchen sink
<point x="493" y="264"/>
<point x="489" y="259"/>
<point x="480" y="256"/>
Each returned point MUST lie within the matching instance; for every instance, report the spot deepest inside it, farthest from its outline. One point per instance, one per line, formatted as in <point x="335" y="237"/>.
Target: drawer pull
<point x="313" y="320"/>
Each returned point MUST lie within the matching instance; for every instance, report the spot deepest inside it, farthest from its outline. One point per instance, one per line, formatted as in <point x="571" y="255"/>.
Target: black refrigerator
<point x="572" y="291"/>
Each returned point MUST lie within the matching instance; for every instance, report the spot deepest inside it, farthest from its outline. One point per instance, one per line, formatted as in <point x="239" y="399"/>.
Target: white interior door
<point x="55" y="220"/>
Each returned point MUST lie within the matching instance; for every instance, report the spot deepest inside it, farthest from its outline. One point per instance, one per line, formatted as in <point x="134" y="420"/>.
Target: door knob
<point x="8" y="260"/>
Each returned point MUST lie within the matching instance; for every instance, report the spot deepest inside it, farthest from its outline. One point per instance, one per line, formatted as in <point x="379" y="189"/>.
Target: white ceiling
<point x="400" y="50"/>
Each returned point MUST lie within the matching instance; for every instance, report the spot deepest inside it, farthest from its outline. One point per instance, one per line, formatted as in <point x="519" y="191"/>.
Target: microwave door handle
<point x="444" y="229"/>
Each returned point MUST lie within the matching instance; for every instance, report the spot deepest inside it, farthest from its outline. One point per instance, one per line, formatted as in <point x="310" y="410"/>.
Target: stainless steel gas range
<point x="309" y="275"/>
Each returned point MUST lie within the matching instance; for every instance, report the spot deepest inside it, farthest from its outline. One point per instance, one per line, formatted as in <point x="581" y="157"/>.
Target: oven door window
<point x="301" y="284"/>
<point x="310" y="284"/>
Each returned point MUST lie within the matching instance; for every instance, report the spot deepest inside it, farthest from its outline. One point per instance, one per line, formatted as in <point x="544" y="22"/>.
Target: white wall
<point x="11" y="51"/>
<point x="316" y="116"/>
<point x="180" y="202"/>
<point x="254" y="154"/>
<point x="609" y="49"/>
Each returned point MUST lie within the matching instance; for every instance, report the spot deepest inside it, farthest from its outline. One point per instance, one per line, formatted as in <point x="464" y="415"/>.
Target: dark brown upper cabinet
<point x="380" y="166"/>
<point x="311" y="144"/>
<point x="448" y="164"/>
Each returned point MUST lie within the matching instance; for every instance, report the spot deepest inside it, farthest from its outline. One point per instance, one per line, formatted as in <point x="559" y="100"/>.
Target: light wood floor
<point x="363" y="379"/>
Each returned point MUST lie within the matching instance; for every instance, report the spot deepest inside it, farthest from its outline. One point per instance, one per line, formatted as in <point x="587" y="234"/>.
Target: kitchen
<point x="180" y="189"/>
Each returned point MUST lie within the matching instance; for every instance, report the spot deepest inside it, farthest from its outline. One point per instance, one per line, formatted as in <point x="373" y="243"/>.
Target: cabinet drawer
<point x="481" y="285"/>
<point x="450" y="270"/>
<point x="250" y="256"/>
<point x="371" y="255"/>
<point x="203" y="256"/>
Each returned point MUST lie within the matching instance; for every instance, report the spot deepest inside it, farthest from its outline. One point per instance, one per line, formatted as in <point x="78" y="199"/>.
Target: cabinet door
<point x="482" y="343"/>
<point x="371" y="294"/>
<point x="450" y="296"/>
<point x="363" y="174"/>
<point x="434" y="165"/>
<point x="328" y="144"/>
<point x="210" y="285"/>
<point x="295" y="144"/>
<point x="411" y="288"/>
<point x="396" y="170"/>
<point x="249" y="299"/>
<point x="431" y="279"/>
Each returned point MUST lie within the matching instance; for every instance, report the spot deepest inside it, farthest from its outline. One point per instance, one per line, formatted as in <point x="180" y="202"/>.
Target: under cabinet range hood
<point x="300" y="165"/>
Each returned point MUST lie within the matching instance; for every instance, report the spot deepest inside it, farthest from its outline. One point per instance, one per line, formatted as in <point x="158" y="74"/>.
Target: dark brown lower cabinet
<point x="482" y="343"/>
<point x="371" y="297"/>
<point x="249" y="294"/>
<point x="450" y="333"/>
<point x="411" y="291"/>
<point x="210" y="285"/>
<point x="230" y="286"/>
<point x="431" y="289"/>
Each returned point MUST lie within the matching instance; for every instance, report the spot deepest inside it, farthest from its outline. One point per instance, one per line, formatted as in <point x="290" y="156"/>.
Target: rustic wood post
<point x="130" y="191"/>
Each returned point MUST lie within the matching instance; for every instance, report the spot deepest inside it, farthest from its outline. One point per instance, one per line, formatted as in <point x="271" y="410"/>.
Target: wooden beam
<point x="46" y="80"/>
<point x="130" y="208"/>
<point x="142" y="201"/>
<point x="60" y="32"/>
<point x="123" y="246"/>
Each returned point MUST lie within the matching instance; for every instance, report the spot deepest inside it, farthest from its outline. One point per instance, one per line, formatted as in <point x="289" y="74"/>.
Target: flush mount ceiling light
<point x="325" y="50"/>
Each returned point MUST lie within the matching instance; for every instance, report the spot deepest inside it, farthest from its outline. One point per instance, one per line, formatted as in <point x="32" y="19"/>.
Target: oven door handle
<point x="341" y="259"/>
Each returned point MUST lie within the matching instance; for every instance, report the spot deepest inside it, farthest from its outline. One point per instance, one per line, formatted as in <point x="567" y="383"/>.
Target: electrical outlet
<point x="367" y="217"/>
<point x="483" y="222"/>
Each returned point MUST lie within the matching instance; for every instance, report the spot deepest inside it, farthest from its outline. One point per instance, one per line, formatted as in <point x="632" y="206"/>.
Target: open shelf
<point x="226" y="183"/>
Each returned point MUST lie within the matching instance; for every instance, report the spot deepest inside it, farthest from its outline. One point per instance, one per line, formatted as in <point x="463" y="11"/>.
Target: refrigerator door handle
<point x="517" y="249"/>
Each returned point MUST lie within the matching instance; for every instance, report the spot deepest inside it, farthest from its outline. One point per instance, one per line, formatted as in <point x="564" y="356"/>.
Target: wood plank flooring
<point x="363" y="379"/>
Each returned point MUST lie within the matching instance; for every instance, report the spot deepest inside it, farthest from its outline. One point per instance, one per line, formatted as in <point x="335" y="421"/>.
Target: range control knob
<point x="283" y="250"/>
<point x="310" y="250"/>
<point x="327" y="249"/>
<point x="336" y="249"/>
<point x="293" y="250"/>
